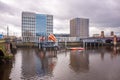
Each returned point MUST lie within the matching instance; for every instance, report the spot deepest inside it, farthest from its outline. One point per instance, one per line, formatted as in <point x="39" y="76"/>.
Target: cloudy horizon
<point x="103" y="14"/>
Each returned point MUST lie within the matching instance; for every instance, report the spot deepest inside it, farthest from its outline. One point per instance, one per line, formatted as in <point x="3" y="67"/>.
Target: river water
<point x="101" y="63"/>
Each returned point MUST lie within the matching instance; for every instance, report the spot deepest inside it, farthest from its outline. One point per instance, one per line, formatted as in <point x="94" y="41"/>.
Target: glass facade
<point x="41" y="25"/>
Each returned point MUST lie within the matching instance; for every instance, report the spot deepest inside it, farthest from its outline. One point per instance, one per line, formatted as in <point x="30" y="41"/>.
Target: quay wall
<point x="75" y="44"/>
<point x="67" y="44"/>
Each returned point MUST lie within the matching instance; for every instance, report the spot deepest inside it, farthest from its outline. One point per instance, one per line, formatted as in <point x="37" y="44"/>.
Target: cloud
<point x="5" y="8"/>
<point x="9" y="15"/>
<point x="99" y="12"/>
<point x="103" y="13"/>
<point x="59" y="27"/>
<point x="8" y="9"/>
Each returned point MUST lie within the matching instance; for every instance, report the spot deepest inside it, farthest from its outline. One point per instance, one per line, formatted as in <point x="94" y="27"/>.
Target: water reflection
<point x="28" y="63"/>
<point x="91" y="64"/>
<point x="5" y="70"/>
<point x="38" y="64"/>
<point x="79" y="61"/>
<point x="115" y="53"/>
<point x="16" y="66"/>
<point x="45" y="62"/>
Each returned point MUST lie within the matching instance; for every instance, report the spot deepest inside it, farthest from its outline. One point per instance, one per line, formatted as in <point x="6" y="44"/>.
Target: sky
<point x="104" y="15"/>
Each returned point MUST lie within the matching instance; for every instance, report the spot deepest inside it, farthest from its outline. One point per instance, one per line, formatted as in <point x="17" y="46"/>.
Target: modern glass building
<point x="79" y="27"/>
<point x="41" y="25"/>
<point x="35" y="26"/>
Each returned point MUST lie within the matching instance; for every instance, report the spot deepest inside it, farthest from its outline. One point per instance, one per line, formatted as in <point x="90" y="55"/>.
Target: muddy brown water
<point x="91" y="64"/>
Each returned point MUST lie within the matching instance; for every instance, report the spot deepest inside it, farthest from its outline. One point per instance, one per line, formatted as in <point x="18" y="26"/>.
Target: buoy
<point x="76" y="48"/>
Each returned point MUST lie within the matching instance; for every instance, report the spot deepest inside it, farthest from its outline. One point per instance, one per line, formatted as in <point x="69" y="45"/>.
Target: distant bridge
<point x="6" y="48"/>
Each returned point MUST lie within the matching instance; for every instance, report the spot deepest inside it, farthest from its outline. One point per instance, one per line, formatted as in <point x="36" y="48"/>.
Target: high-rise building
<point x="79" y="27"/>
<point x="35" y="26"/>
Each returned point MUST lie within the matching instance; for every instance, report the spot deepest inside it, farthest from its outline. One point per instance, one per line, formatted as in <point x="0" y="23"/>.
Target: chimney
<point x="102" y="34"/>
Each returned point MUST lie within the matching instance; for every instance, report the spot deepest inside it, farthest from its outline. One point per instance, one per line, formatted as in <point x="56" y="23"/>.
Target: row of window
<point x="28" y="17"/>
<point x="49" y="27"/>
<point x="32" y="27"/>
<point x="50" y="21"/>
<point x="28" y="20"/>
<point x="28" y="39"/>
<point x="49" y="30"/>
<point x="28" y="34"/>
<point x="28" y="26"/>
<point x="50" y="24"/>
<point x="49" y="17"/>
<point x="31" y="20"/>
<point x="28" y="23"/>
<point x="28" y="29"/>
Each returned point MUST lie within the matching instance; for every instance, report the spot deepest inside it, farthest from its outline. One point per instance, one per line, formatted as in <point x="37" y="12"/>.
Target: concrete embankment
<point x="25" y="44"/>
<point x="81" y="44"/>
<point x="67" y="44"/>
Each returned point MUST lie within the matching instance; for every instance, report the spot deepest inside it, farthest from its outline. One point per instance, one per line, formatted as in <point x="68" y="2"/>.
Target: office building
<point x="79" y="27"/>
<point x="35" y="26"/>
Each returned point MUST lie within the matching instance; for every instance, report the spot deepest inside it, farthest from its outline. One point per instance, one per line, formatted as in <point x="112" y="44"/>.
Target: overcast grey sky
<point x="103" y="14"/>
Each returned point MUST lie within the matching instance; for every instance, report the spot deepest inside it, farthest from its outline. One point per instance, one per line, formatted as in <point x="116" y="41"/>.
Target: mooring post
<point x="83" y="43"/>
<point x="94" y="43"/>
<point x="115" y="40"/>
<point x="86" y="44"/>
<point x="65" y="44"/>
<point x="90" y="45"/>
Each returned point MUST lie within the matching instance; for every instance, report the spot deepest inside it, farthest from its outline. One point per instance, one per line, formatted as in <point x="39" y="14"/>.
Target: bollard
<point x="86" y="44"/>
<point x="44" y="49"/>
<point x="94" y="44"/>
<point x="90" y="44"/>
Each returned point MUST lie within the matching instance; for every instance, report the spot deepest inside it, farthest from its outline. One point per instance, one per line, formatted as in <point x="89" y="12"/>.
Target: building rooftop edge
<point x="35" y="13"/>
<point x="78" y="18"/>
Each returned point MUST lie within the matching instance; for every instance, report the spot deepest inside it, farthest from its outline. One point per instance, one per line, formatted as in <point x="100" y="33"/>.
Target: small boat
<point x="76" y="48"/>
